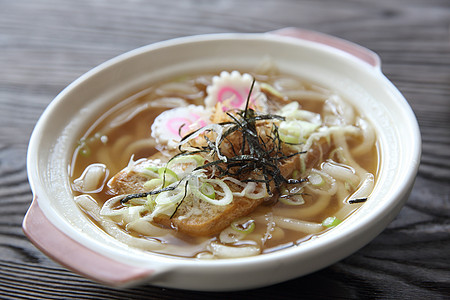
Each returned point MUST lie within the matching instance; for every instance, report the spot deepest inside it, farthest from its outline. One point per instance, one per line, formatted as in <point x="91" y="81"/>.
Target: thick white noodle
<point x="284" y="84"/>
<point x="270" y="226"/>
<point x="88" y="204"/>
<point x="325" y="132"/>
<point x="125" y="116"/>
<point x="117" y="154"/>
<point x="340" y="141"/>
<point x="135" y="146"/>
<point x="305" y="95"/>
<point x="298" y="225"/>
<point x="304" y="212"/>
<point x="107" y="208"/>
<point x="167" y="102"/>
<point x="92" y="180"/>
<point x="342" y="193"/>
<point x="341" y="172"/>
<point x="223" y="251"/>
<point x="184" y="88"/>
<point x="368" y="139"/>
<point x="338" y="112"/>
<point x="364" y="190"/>
<point x="144" y="227"/>
<point x="107" y="159"/>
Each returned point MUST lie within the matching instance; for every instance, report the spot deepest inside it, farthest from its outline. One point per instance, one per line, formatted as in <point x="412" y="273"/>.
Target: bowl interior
<point x="365" y="87"/>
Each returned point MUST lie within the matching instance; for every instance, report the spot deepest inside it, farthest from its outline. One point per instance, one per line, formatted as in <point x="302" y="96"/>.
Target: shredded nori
<point x="256" y="160"/>
<point x="145" y="194"/>
<point x="178" y="205"/>
<point x="357" y="200"/>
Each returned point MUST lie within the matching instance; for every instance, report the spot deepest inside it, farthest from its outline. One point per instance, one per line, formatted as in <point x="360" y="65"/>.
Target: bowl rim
<point x="289" y="254"/>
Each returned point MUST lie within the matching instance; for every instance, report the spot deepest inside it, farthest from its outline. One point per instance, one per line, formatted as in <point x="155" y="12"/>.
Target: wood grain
<point x="47" y="44"/>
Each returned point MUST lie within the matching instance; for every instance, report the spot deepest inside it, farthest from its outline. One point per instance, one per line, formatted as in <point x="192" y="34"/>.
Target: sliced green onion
<point x="290" y="132"/>
<point x="168" y="199"/>
<point x="167" y="175"/>
<point x="295" y="199"/>
<point x="227" y="197"/>
<point x="316" y="179"/>
<point x="127" y="204"/>
<point x="208" y="190"/>
<point x="153" y="184"/>
<point x="85" y="150"/>
<point x="199" y="159"/>
<point x="244" y="225"/>
<point x="186" y="159"/>
<point x="296" y="131"/>
<point x="290" y="139"/>
<point x="230" y="236"/>
<point x="152" y="168"/>
<point x="151" y="204"/>
<point x="331" y="222"/>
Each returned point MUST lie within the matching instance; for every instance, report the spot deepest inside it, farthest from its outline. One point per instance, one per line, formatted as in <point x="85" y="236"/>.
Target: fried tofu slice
<point x="202" y="218"/>
<point x="196" y="218"/>
<point x="210" y="219"/>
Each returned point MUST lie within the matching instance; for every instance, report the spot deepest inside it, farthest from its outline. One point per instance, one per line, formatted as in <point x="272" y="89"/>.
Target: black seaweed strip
<point x="358" y="200"/>
<point x="260" y="157"/>
<point x="178" y="205"/>
<point x="142" y="195"/>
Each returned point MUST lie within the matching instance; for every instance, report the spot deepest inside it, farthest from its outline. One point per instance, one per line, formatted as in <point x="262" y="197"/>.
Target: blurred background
<point x="45" y="45"/>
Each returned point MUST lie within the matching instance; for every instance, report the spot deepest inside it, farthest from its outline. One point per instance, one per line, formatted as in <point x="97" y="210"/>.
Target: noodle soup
<point x="225" y="165"/>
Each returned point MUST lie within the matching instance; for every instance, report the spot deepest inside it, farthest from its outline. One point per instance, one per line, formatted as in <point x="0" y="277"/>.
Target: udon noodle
<point x="295" y="154"/>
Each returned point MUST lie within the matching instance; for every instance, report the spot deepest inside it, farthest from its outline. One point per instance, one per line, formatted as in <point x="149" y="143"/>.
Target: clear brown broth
<point x="138" y="127"/>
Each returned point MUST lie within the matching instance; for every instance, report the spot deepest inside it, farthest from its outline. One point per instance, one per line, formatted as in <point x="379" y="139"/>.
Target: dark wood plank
<point x="47" y="44"/>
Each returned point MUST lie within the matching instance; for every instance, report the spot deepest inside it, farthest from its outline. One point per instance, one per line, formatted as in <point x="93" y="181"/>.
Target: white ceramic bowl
<point x="55" y="224"/>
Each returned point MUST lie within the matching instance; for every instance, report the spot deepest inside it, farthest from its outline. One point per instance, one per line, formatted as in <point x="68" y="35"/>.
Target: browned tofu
<point x="214" y="218"/>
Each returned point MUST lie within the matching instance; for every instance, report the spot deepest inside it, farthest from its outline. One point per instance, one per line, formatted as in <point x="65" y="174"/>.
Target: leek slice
<point x="208" y="190"/>
<point x="296" y="131"/>
<point x="167" y="176"/>
<point x="226" y="199"/>
<point x="244" y="225"/>
<point x="296" y="199"/>
<point x="195" y="159"/>
<point x="316" y="179"/>
<point x="153" y="184"/>
<point x="331" y="222"/>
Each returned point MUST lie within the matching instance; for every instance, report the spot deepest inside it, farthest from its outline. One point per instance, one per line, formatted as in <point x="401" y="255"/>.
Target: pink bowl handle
<point x="360" y="52"/>
<point x="71" y="254"/>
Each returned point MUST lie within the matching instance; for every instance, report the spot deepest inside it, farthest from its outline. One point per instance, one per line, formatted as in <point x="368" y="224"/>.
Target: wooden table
<point x="47" y="44"/>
